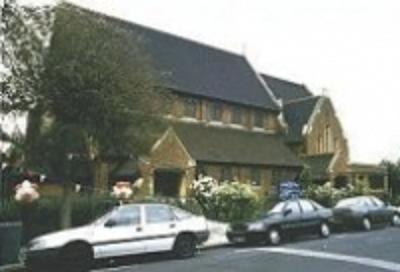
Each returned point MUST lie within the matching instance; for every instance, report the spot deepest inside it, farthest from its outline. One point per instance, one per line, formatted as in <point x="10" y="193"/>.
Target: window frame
<point x="237" y="115"/>
<point x="214" y="111"/>
<point x="256" y="182"/>
<point x="261" y="115"/>
<point x="190" y="106"/>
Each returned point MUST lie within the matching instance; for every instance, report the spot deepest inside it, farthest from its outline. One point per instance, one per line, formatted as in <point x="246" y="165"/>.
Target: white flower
<point x="122" y="190"/>
<point x="26" y="192"/>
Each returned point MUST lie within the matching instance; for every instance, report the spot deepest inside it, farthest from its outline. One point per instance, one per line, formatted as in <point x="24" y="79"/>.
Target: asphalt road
<point x="377" y="250"/>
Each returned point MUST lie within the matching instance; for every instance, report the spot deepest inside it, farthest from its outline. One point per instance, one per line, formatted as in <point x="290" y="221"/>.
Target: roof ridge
<point x="303" y="99"/>
<point x="285" y="80"/>
<point x="163" y="32"/>
<point x="223" y="128"/>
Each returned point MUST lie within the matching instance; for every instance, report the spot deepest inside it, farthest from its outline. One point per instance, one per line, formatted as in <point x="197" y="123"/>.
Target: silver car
<point x="126" y="230"/>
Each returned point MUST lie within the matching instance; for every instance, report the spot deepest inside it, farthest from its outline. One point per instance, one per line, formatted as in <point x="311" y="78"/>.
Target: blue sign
<point x="289" y="190"/>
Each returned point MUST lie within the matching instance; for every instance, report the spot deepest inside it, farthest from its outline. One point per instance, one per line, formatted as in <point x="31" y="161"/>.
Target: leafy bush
<point x="9" y="212"/>
<point x="44" y="214"/>
<point x="228" y="201"/>
<point x="328" y="195"/>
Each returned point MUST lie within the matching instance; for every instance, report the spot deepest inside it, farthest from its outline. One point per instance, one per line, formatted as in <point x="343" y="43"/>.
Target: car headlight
<point x="36" y="244"/>
<point x="256" y="226"/>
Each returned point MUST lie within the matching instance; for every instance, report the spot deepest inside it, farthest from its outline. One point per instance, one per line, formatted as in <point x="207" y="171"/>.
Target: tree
<point x="96" y="97"/>
<point x="393" y="170"/>
<point x="24" y="34"/>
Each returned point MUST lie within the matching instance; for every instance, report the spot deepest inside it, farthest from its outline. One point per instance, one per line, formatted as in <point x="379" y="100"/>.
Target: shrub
<point x="228" y="201"/>
<point x="44" y="214"/>
<point x="328" y="195"/>
<point x="9" y="212"/>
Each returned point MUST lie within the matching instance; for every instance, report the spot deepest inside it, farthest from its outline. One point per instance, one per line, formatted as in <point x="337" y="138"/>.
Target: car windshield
<point x="277" y="208"/>
<point x="349" y="202"/>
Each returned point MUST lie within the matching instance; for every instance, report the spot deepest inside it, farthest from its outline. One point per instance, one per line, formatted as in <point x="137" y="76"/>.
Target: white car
<point x="126" y="230"/>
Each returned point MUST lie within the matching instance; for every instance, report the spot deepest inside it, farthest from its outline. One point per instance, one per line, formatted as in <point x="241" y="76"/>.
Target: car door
<point x="291" y="222"/>
<point x="120" y="233"/>
<point x="309" y="216"/>
<point x="385" y="215"/>
<point x="160" y="227"/>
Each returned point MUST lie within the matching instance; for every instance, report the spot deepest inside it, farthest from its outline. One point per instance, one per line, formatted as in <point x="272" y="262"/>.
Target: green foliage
<point x="99" y="79"/>
<point x="236" y="202"/>
<point x="305" y="179"/>
<point x="45" y="213"/>
<point x="228" y="201"/>
<point x="393" y="169"/>
<point x="9" y="212"/>
<point x="328" y="195"/>
<point x="26" y="31"/>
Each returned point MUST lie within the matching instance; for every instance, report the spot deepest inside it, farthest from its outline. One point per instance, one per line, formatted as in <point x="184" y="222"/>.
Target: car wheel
<point x="366" y="224"/>
<point x="185" y="246"/>
<point x="76" y="257"/>
<point x="395" y="220"/>
<point x="274" y="236"/>
<point x="324" y="230"/>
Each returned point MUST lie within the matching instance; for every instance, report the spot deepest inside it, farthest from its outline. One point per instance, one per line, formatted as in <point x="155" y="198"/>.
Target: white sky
<point x="349" y="47"/>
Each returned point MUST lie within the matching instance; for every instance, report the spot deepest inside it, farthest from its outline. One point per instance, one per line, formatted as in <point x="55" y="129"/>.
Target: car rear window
<point x="158" y="214"/>
<point x="349" y="202"/>
<point x="181" y="214"/>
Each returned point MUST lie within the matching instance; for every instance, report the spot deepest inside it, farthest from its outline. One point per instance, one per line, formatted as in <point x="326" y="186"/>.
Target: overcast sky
<point x="349" y="47"/>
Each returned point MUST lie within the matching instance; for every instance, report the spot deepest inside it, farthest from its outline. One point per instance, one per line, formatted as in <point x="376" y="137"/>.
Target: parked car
<point x="126" y="230"/>
<point x="363" y="212"/>
<point x="287" y="218"/>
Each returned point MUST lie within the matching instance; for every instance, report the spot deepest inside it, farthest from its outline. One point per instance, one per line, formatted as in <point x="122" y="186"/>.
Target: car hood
<point x="60" y="238"/>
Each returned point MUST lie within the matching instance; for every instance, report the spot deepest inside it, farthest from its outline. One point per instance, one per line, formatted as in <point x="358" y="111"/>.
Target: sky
<point x="346" y="49"/>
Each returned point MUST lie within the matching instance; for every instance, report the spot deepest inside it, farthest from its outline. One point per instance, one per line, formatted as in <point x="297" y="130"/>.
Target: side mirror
<point x="110" y="223"/>
<point x="287" y="212"/>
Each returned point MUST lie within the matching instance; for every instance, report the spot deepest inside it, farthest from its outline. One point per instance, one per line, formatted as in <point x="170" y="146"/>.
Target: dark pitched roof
<point x="286" y="90"/>
<point x="197" y="69"/>
<point x="223" y="145"/>
<point x="318" y="165"/>
<point x="297" y="115"/>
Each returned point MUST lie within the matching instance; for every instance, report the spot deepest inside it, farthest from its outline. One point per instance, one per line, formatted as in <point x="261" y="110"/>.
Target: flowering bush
<point x="228" y="201"/>
<point x="26" y="192"/>
<point x="122" y="190"/>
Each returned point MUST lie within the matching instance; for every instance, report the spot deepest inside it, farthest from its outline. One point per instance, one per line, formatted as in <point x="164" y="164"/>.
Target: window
<point x="294" y="206"/>
<point x="278" y="208"/>
<point x="181" y="214"/>
<point x="190" y="107"/>
<point x="306" y="206"/>
<point x="378" y="202"/>
<point x="328" y="140"/>
<point x="270" y="121"/>
<point x="215" y="111"/>
<point x="258" y="119"/>
<point x="125" y="216"/>
<point x="201" y="170"/>
<point x="256" y="177"/>
<point x="226" y="174"/>
<point x="319" y="144"/>
<point x="237" y="117"/>
<point x="158" y="214"/>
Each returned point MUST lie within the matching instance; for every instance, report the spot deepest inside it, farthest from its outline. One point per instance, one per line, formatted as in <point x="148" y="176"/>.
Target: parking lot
<point x="377" y="250"/>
